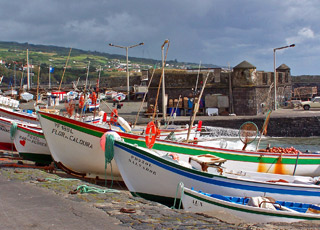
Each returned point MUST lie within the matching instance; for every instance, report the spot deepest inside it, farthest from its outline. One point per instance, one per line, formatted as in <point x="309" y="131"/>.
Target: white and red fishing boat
<point x="10" y="108"/>
<point x="23" y="115"/>
<point x="75" y="151"/>
<point x="31" y="145"/>
<point x="7" y="130"/>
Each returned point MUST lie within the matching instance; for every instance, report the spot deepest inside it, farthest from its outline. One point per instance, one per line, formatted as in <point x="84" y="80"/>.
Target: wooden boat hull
<point x="178" y="133"/>
<point x="76" y="147"/>
<point x="197" y="202"/>
<point x="6" y="142"/>
<point x="18" y="115"/>
<point x="32" y="145"/>
<point x="303" y="164"/>
<point x="155" y="170"/>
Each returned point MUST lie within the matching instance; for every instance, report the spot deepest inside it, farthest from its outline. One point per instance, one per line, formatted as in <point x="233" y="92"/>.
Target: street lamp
<point x="275" y="72"/>
<point x="127" y="47"/>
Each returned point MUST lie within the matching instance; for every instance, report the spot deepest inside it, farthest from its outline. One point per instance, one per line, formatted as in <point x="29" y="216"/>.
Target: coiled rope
<point x="13" y="129"/>
<point x="109" y="154"/>
<point x="81" y="188"/>
<point x="91" y="189"/>
<point x="181" y="188"/>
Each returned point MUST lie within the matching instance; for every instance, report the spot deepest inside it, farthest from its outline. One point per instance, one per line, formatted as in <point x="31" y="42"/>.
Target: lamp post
<point x="275" y="72"/>
<point x="127" y="47"/>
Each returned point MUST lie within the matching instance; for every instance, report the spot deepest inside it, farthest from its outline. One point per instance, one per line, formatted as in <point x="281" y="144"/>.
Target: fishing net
<point x="248" y="132"/>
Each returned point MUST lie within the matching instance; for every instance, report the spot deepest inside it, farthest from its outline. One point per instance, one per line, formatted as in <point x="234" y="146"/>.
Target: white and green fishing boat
<point x="250" y="209"/>
<point x="154" y="175"/>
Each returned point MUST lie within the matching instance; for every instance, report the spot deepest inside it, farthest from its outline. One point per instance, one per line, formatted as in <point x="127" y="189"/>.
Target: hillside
<point x="15" y="56"/>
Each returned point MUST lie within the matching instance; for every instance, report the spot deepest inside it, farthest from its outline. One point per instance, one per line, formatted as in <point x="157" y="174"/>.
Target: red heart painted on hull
<point x="22" y="142"/>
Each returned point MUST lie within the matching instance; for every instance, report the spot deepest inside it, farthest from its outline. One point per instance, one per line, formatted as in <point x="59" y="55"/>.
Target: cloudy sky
<point x="221" y="32"/>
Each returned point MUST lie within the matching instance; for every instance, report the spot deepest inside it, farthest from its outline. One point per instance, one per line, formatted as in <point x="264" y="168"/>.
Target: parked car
<point x="314" y="103"/>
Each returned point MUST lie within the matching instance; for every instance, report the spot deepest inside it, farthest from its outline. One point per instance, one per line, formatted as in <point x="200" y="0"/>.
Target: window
<point x="264" y="78"/>
<point x="287" y="77"/>
<point x="216" y="76"/>
<point x="279" y="77"/>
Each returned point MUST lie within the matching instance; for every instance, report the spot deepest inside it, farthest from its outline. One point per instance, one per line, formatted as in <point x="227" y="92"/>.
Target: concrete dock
<point x="33" y="198"/>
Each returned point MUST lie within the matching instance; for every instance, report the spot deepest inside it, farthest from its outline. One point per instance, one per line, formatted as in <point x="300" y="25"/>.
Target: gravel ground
<point x="145" y="214"/>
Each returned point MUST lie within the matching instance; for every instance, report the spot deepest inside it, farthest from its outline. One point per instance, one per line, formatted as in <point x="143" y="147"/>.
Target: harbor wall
<point x="278" y="127"/>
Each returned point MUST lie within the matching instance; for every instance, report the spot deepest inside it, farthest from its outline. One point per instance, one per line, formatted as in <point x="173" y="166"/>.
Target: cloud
<point x="302" y="35"/>
<point x="213" y="31"/>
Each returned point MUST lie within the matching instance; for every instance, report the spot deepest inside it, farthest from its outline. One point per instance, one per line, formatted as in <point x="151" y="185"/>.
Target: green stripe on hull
<point x="31" y="133"/>
<point x="193" y="151"/>
<point x="79" y="128"/>
<point x="227" y="156"/>
<point x="38" y="158"/>
<point x="250" y="211"/>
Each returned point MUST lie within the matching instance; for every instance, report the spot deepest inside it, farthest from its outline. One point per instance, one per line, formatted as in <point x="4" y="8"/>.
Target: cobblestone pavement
<point x="132" y="212"/>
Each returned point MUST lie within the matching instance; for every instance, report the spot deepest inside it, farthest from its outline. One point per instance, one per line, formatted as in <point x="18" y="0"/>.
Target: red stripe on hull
<point x="7" y="146"/>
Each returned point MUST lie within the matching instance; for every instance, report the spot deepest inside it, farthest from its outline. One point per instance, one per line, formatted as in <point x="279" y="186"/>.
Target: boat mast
<point x="196" y="107"/>
<point x="98" y="83"/>
<point x="50" y="77"/>
<point x="38" y="86"/>
<point x="28" y="73"/>
<point x="21" y="79"/>
<point x="164" y="102"/>
<point x="163" y="87"/>
<point x="15" y="73"/>
<point x="85" y="87"/>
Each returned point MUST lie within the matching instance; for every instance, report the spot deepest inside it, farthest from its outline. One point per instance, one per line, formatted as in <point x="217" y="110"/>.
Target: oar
<point x="144" y="97"/>
<point x="196" y="107"/>
<point x="173" y="113"/>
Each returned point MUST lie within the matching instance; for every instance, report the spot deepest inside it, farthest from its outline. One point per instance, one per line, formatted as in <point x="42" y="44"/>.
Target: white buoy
<point x="124" y="124"/>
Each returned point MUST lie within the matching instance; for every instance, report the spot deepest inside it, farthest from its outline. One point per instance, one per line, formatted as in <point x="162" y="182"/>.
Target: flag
<point x="51" y="69"/>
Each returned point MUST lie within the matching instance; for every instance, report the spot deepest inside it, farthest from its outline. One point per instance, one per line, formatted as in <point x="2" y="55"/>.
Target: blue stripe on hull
<point x="193" y="176"/>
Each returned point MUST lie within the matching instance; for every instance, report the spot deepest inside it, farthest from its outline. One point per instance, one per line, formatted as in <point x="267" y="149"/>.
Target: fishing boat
<point x="168" y="132"/>
<point x="93" y="106"/>
<point x="250" y="209"/>
<point x="17" y="114"/>
<point x="172" y="132"/>
<point x="75" y="147"/>
<point x="79" y="139"/>
<point x="10" y="108"/>
<point x="303" y="164"/>
<point x="143" y="170"/>
<point x="7" y="132"/>
<point x="31" y="145"/>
